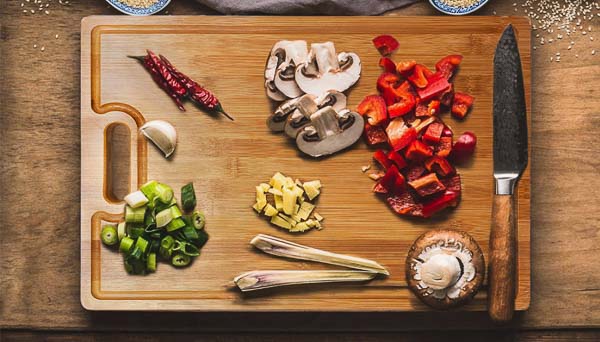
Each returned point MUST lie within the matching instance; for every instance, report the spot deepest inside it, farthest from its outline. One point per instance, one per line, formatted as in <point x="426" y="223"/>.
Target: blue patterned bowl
<point x="157" y="7"/>
<point x="445" y="8"/>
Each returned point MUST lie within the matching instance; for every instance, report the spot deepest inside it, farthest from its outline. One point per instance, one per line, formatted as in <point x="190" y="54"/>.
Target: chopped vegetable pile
<point x="417" y="153"/>
<point x="154" y="224"/>
<point x="289" y="203"/>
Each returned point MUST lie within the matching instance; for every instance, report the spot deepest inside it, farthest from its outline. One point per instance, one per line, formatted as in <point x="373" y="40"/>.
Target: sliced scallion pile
<point x="155" y="228"/>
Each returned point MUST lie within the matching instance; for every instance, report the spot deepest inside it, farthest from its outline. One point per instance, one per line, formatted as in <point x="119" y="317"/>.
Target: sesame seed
<point x="35" y="46"/>
<point x="47" y="12"/>
<point x="56" y="36"/>
<point x="593" y="52"/>
<point x="43" y="48"/>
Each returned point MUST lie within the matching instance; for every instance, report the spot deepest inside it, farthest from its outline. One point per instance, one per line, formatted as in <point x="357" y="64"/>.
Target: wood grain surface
<point x="227" y="159"/>
<point x="40" y="165"/>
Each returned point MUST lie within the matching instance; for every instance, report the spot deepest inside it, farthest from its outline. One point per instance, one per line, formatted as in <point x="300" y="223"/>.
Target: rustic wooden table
<point x="39" y="215"/>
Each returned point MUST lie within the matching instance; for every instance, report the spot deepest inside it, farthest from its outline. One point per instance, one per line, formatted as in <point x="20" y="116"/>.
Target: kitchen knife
<point x="510" y="160"/>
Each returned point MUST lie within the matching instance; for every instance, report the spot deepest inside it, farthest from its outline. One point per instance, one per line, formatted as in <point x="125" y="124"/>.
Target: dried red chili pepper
<point x="174" y="84"/>
<point x="461" y="104"/>
<point x="159" y="80"/>
<point x="373" y="107"/>
<point x="385" y="44"/>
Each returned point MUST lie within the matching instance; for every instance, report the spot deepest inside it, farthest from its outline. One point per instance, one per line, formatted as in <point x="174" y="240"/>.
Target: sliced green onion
<point x="165" y="253"/>
<point x="126" y="244"/>
<point x="190" y="233"/>
<point x="202" y="238"/>
<point x="175" y="224"/>
<point x="135" y="215"/>
<point x="151" y="262"/>
<point x="149" y="190"/>
<point x="142" y="244"/>
<point x="198" y="219"/>
<point x="166" y="216"/>
<point x="180" y="260"/>
<point x="164" y="193"/>
<point x="134" y="231"/>
<point x="167" y="242"/>
<point x="121" y="230"/>
<point x="109" y="235"/>
<point x="190" y="249"/>
<point x="136" y="199"/>
<point x="188" y="197"/>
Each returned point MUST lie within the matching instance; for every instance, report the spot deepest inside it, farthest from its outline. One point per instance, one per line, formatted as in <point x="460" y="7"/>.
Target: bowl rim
<point x="436" y="6"/>
<point x="124" y="11"/>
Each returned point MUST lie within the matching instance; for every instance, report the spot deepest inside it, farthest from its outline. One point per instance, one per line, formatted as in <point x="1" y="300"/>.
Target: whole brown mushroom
<point x="445" y="268"/>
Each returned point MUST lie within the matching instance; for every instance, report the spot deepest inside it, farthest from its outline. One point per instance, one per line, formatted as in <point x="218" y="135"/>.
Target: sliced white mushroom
<point x="329" y="132"/>
<point x="289" y="54"/>
<point x="324" y="70"/>
<point x="333" y="98"/>
<point x="276" y="57"/>
<point x="302" y="104"/>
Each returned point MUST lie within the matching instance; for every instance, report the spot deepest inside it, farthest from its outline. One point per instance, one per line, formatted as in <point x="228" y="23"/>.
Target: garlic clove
<point x="162" y="134"/>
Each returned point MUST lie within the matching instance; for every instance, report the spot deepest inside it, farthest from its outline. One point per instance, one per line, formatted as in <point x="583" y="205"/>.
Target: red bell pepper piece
<point x="417" y="151"/>
<point x="405" y="204"/>
<point x="449" y="198"/>
<point x="386" y="44"/>
<point x="391" y="182"/>
<point x="447" y="97"/>
<point x="437" y="85"/>
<point x="414" y="171"/>
<point x="440" y="166"/>
<point x="387" y="64"/>
<point x="420" y="75"/>
<point x="404" y="100"/>
<point x="444" y="148"/>
<point x="427" y="108"/>
<point x="387" y="80"/>
<point x="405" y="68"/>
<point x="400" y="135"/>
<point x="433" y="133"/>
<point x="447" y="132"/>
<point x="461" y="104"/>
<point x="374" y="108"/>
<point x="447" y="65"/>
<point x="381" y="157"/>
<point x="397" y="159"/>
<point x="427" y="185"/>
<point x="375" y="134"/>
<point x="452" y="183"/>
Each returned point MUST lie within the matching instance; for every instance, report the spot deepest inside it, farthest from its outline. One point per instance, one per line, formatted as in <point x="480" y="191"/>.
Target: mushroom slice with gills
<point x="305" y="103"/>
<point x="324" y="70"/>
<point x="295" y="53"/>
<point x="329" y="133"/>
<point x="445" y="268"/>
<point x="300" y="117"/>
<point x="332" y="98"/>
<point x="276" y="57"/>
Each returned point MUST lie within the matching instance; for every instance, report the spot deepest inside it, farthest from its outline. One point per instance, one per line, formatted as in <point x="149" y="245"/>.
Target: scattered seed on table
<point x="43" y="48"/>
<point x="593" y="52"/>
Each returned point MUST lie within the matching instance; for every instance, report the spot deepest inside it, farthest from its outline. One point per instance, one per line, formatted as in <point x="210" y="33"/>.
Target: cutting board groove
<point x="227" y="159"/>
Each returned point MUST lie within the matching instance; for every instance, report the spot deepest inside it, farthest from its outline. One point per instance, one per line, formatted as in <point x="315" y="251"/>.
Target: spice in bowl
<point x="139" y="7"/>
<point x="457" y="7"/>
<point x="139" y="3"/>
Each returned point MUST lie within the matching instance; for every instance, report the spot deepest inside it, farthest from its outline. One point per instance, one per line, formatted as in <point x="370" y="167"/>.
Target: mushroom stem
<point x="440" y="271"/>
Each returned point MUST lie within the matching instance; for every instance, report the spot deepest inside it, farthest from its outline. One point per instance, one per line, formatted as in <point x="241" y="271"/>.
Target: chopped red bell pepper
<point x="414" y="171"/>
<point x="387" y="64"/>
<point x="375" y="134"/>
<point x="386" y="44"/>
<point x="449" y="198"/>
<point x="392" y="182"/>
<point x="444" y="147"/>
<point x="440" y="166"/>
<point x="381" y="157"/>
<point x="418" y="151"/>
<point x="404" y="105"/>
<point x="405" y="68"/>
<point x="452" y="183"/>
<point x="427" y="108"/>
<point x="433" y="133"/>
<point x="427" y="185"/>
<point x="420" y="75"/>
<point x="374" y="108"/>
<point x="397" y="158"/>
<point x="437" y="85"/>
<point x="405" y="204"/>
<point x="447" y="132"/>
<point x="387" y="80"/>
<point x="447" y="97"/>
<point x="461" y="104"/>
<point x="447" y="65"/>
<point x="399" y="134"/>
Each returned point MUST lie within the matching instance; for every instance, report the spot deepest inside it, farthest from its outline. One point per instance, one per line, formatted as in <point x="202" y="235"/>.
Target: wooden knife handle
<point x="502" y="264"/>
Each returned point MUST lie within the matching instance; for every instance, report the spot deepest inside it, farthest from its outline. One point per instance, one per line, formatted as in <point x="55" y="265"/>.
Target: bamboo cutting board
<point x="225" y="160"/>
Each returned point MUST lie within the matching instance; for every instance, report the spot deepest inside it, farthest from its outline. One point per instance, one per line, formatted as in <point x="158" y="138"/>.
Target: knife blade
<point x="510" y="160"/>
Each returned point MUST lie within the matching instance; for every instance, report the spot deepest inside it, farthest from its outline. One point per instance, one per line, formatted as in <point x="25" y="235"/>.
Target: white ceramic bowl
<point x="157" y="7"/>
<point x="444" y="8"/>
